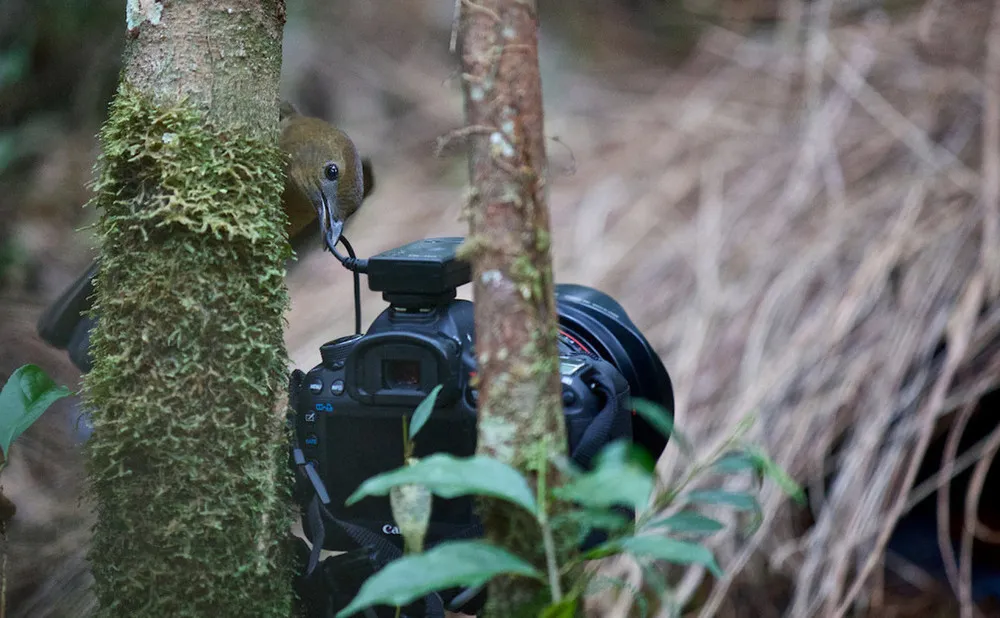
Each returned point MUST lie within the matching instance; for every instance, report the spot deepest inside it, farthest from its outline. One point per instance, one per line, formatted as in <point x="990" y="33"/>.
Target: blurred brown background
<point x="793" y="200"/>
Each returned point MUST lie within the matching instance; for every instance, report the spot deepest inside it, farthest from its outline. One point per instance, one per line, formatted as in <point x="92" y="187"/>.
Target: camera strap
<point x="613" y="421"/>
<point x="381" y="551"/>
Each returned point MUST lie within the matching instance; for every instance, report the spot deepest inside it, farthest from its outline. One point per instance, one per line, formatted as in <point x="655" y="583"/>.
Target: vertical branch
<point x="520" y="406"/>
<point x="186" y="459"/>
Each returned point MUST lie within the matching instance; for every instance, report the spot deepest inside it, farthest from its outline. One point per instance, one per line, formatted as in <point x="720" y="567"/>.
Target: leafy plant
<point x="623" y="476"/>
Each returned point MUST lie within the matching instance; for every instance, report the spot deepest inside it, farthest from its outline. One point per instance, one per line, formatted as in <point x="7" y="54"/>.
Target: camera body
<point x="348" y="408"/>
<point x="346" y="413"/>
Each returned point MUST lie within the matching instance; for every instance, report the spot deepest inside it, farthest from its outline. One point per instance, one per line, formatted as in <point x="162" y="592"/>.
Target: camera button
<point x="337" y="388"/>
<point x="337" y="365"/>
<point x="568" y="398"/>
<point x="316" y="386"/>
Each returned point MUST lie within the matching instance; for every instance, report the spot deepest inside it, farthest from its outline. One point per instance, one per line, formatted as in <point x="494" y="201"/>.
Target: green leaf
<point x="732" y="463"/>
<point x="639" y="456"/>
<point x="735" y="500"/>
<point x="663" y="421"/>
<point x="624" y="453"/>
<point x="448" y="565"/>
<point x="773" y="471"/>
<point x="450" y="477"/>
<point x="566" y="608"/>
<point x="617" y="479"/>
<point x="669" y="550"/>
<point x="423" y="411"/>
<point x="602" y="551"/>
<point x="688" y="522"/>
<point x="27" y="394"/>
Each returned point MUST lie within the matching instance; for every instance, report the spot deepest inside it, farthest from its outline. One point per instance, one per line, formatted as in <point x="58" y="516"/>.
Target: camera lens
<point x="597" y="322"/>
<point x="401" y="374"/>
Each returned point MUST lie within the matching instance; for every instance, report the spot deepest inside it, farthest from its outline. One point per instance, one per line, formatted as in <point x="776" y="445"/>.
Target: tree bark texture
<point x="520" y="405"/>
<point x="186" y="462"/>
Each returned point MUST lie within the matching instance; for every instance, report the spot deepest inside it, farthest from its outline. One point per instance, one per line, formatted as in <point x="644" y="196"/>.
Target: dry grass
<point x="804" y="228"/>
<point x="822" y="218"/>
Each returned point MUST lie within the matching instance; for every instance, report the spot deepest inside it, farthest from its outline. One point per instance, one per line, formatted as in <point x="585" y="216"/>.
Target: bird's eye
<point x="331" y="171"/>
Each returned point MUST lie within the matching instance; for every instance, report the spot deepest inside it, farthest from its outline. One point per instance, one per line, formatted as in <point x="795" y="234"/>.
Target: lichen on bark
<point x="520" y="406"/>
<point x="186" y="462"/>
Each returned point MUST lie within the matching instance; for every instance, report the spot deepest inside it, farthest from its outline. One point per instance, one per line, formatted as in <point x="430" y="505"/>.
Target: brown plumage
<point x="326" y="176"/>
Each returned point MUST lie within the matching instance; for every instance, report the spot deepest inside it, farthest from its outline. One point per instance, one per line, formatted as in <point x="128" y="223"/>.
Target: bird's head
<point x="325" y="173"/>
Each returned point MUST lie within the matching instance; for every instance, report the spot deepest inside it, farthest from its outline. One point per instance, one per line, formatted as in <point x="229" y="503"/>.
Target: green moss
<point x="186" y="461"/>
<point x="542" y="241"/>
<point x="471" y="248"/>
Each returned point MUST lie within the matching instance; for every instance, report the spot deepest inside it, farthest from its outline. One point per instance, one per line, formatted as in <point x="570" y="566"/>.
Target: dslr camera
<point x="346" y="413"/>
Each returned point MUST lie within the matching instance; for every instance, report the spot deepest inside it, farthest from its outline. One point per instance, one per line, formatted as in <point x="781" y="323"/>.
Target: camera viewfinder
<point x="401" y="374"/>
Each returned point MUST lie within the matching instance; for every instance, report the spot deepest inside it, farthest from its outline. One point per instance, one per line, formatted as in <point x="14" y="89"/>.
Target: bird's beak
<point x="331" y="224"/>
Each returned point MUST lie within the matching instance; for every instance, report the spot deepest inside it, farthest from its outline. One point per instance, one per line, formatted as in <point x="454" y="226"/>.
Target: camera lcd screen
<point x="401" y="374"/>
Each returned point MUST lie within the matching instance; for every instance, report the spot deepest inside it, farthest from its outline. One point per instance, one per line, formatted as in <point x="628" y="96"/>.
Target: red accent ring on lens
<point x="577" y="342"/>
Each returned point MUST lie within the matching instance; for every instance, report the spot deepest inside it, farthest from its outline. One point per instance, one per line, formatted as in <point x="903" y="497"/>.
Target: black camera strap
<point x="317" y="514"/>
<point x="613" y="421"/>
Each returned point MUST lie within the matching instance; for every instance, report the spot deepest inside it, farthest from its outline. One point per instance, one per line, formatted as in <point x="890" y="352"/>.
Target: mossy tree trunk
<point x="520" y="405"/>
<point x="189" y="371"/>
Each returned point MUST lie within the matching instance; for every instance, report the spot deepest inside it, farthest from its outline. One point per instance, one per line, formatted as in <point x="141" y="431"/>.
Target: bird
<point x="326" y="180"/>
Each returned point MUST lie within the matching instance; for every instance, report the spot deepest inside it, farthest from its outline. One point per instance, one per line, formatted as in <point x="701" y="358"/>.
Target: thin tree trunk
<point x="186" y="460"/>
<point x="520" y="406"/>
